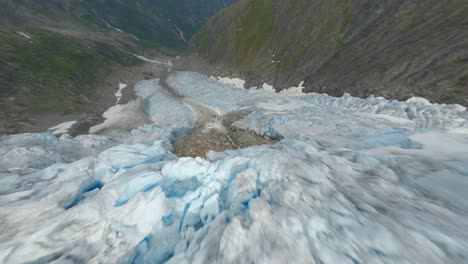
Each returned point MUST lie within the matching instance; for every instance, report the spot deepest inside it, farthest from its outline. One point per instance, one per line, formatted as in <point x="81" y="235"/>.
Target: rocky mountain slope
<point x="55" y="54"/>
<point x="395" y="49"/>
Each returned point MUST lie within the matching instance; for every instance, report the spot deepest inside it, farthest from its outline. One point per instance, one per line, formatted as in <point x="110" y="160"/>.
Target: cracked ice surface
<point x="352" y="181"/>
<point x="165" y="110"/>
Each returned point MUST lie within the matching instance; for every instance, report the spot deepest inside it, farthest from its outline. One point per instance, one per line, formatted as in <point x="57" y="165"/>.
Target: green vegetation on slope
<point x="77" y="46"/>
<point x="255" y="29"/>
<point x="54" y="68"/>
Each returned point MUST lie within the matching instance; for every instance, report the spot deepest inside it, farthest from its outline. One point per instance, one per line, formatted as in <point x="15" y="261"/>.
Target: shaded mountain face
<point x="395" y="49"/>
<point x="166" y="23"/>
<point x="55" y="53"/>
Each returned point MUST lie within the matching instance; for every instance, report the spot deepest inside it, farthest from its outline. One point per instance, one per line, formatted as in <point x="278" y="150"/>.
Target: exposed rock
<point x="395" y="49"/>
<point x="218" y="135"/>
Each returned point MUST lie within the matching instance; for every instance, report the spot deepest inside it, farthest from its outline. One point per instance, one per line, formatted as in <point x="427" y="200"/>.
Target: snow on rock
<point x="351" y="181"/>
<point x="119" y="116"/>
<point x="62" y="128"/>
<point x="113" y="116"/>
<point x="118" y="94"/>
<point x="293" y="91"/>
<point x="268" y="88"/>
<point x="181" y="34"/>
<point x="143" y="58"/>
<point x="234" y="82"/>
<point x="134" y="37"/>
<point x="24" y="35"/>
<point x="418" y="100"/>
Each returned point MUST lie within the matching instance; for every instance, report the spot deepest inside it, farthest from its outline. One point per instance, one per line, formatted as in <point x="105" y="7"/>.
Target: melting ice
<point x="350" y="181"/>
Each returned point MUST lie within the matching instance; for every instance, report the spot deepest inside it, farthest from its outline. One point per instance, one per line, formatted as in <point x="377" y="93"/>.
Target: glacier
<point x="350" y="180"/>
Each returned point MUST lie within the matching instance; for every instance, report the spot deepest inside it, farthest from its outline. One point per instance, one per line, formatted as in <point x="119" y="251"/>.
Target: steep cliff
<point x="395" y="49"/>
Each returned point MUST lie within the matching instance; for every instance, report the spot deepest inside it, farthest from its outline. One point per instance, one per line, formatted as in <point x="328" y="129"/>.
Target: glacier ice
<point x="165" y="110"/>
<point x="350" y="181"/>
<point x="208" y="92"/>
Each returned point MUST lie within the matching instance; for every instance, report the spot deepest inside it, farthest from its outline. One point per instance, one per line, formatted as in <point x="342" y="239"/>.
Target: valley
<point x="60" y="58"/>
<point x="223" y="131"/>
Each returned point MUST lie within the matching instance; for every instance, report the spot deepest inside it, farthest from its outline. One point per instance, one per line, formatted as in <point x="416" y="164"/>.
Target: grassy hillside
<point x="54" y="69"/>
<point x="69" y="47"/>
<point x="395" y="48"/>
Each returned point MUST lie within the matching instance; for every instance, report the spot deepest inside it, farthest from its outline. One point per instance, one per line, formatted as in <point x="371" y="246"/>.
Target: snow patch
<point x="294" y="91"/>
<point x="61" y="128"/>
<point x="181" y="34"/>
<point x="112" y="116"/>
<point x="121" y="117"/>
<point x="143" y="58"/>
<point x="268" y="88"/>
<point x="169" y="69"/>
<point x="24" y="35"/>
<point x="118" y="94"/>
<point x="234" y="82"/>
<point x="418" y="100"/>
<point x="119" y="30"/>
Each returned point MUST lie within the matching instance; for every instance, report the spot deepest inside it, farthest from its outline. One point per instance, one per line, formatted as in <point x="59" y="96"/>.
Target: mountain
<point x="184" y="167"/>
<point x="396" y="49"/>
<point x="160" y="22"/>
<point x="56" y="54"/>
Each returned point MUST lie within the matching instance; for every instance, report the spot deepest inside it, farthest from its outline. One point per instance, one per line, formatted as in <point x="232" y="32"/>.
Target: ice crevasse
<point x="350" y="181"/>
